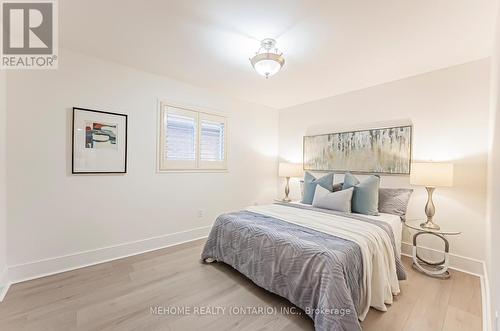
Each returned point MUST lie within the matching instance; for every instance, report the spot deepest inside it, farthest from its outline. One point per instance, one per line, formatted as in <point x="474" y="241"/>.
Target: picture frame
<point x="98" y="142"/>
<point x="385" y="150"/>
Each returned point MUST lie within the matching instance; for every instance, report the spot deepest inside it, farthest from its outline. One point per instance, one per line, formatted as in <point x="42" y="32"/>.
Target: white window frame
<point x="164" y="165"/>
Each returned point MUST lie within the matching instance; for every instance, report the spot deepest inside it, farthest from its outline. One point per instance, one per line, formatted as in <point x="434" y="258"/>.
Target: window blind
<point x="181" y="137"/>
<point x="212" y="141"/>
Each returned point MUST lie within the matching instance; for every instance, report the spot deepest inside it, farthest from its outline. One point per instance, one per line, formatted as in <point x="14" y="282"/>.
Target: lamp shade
<point x="432" y="174"/>
<point x="290" y="169"/>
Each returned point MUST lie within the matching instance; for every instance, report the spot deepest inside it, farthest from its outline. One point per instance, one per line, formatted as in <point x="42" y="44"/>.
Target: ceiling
<point x="330" y="47"/>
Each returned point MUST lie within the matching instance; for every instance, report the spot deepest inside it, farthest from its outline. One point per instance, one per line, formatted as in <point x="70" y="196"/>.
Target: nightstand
<point x="434" y="269"/>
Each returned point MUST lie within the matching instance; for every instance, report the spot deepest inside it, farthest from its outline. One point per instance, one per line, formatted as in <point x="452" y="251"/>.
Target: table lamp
<point x="431" y="175"/>
<point x="289" y="170"/>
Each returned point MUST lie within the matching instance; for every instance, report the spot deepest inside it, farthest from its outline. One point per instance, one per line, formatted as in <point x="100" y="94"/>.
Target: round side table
<point x="438" y="269"/>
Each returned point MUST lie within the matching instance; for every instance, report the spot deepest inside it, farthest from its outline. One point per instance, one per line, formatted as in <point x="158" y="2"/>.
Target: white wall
<point x="53" y="213"/>
<point x="3" y="197"/>
<point x="493" y="229"/>
<point x="449" y="111"/>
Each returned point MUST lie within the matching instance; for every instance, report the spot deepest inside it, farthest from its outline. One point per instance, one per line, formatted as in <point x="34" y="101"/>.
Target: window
<point x="192" y="140"/>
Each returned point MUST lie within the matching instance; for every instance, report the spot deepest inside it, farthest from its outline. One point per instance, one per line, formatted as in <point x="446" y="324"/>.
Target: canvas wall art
<point x="385" y="150"/>
<point x="99" y="142"/>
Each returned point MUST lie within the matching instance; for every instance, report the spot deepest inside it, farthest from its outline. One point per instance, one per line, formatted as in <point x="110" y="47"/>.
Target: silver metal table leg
<point x="431" y="268"/>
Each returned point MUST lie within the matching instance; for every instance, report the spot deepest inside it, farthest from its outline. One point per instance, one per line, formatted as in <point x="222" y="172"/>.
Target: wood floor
<point x="119" y="295"/>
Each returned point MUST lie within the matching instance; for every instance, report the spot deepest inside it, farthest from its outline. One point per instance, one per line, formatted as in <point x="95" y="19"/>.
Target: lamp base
<point x="430" y="225"/>
<point x="287" y="191"/>
<point x="430" y="210"/>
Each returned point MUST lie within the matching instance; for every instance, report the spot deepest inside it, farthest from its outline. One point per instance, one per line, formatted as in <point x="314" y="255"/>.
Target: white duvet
<point x="380" y="280"/>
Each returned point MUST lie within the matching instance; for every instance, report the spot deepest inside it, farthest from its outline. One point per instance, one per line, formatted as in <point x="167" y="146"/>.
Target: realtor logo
<point x="29" y="34"/>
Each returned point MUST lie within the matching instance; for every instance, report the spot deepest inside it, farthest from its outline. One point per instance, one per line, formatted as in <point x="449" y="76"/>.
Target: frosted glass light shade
<point x="432" y="174"/>
<point x="267" y="68"/>
<point x="290" y="169"/>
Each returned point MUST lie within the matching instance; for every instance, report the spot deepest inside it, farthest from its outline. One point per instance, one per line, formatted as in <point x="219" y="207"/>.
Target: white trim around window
<point x="191" y="140"/>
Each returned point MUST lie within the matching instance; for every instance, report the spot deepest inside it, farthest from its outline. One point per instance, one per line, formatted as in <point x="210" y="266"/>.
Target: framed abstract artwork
<point x="99" y="142"/>
<point x="385" y="150"/>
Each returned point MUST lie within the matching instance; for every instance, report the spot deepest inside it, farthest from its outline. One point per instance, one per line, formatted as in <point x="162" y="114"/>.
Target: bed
<point x="332" y="265"/>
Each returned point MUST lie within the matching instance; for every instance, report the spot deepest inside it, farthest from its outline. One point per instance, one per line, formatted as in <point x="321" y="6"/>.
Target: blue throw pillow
<point x="365" y="195"/>
<point x="310" y="183"/>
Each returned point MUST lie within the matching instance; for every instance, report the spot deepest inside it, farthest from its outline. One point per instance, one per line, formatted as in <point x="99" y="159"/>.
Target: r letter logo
<point x="29" y="34"/>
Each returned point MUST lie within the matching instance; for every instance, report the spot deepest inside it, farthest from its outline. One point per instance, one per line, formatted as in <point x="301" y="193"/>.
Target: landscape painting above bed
<point x="386" y="150"/>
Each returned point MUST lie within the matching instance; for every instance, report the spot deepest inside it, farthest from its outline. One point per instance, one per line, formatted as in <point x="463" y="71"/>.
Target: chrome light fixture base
<point x="267" y="61"/>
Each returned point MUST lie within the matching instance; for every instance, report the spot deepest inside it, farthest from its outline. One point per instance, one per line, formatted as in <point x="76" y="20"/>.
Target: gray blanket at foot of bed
<point x="317" y="272"/>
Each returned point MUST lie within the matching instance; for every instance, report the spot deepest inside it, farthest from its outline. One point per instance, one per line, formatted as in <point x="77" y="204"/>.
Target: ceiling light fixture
<point x="267" y="61"/>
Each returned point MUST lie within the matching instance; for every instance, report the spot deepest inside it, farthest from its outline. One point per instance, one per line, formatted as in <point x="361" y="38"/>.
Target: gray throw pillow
<point x="337" y="187"/>
<point x="394" y="201"/>
<point x="365" y="195"/>
<point x="339" y="200"/>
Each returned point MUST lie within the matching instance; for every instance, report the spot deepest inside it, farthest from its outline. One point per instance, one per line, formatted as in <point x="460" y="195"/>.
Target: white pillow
<point x="340" y="200"/>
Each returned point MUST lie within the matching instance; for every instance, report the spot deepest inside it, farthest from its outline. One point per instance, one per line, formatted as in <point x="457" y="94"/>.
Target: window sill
<point x="189" y="171"/>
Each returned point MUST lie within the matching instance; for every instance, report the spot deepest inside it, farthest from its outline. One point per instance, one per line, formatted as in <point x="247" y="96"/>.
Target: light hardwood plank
<point x="119" y="295"/>
<point x="466" y="293"/>
<point x="460" y="320"/>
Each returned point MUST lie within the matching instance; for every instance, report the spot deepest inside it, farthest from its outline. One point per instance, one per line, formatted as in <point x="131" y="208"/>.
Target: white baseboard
<point x="4" y="284"/>
<point x="457" y="262"/>
<point x="46" y="267"/>
<point x="485" y="299"/>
